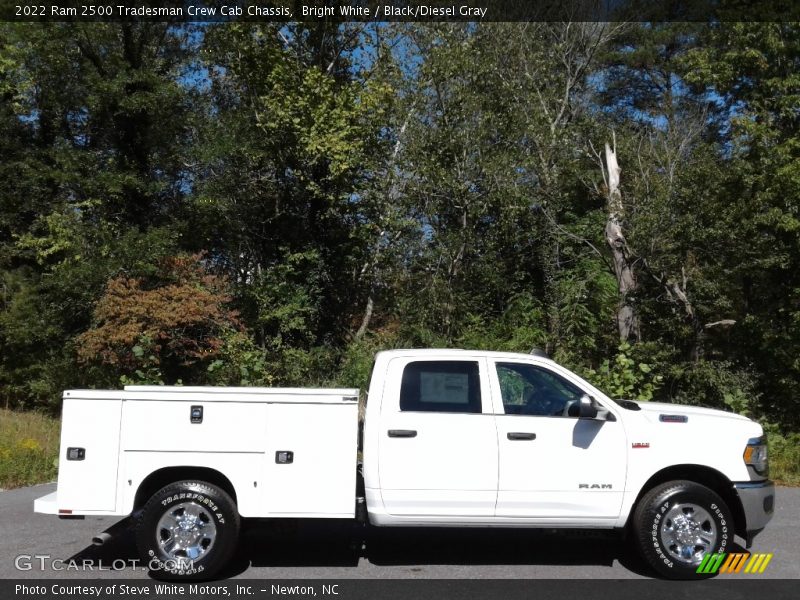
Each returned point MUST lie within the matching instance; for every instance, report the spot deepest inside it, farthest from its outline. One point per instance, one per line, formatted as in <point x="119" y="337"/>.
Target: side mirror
<point x="587" y="408"/>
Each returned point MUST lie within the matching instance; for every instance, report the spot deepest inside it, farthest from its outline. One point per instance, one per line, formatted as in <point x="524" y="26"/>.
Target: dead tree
<point x="622" y="258"/>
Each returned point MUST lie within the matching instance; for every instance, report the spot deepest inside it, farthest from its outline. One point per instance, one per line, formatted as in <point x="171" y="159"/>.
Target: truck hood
<point x="684" y="409"/>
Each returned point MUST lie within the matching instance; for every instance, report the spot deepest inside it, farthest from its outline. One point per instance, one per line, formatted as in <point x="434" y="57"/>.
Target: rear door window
<point x="441" y="386"/>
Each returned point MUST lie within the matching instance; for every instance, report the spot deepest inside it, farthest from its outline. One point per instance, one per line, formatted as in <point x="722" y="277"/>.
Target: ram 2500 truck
<point x="453" y="438"/>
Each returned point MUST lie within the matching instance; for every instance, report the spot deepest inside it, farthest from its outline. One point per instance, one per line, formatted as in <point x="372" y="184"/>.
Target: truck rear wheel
<point x="679" y="522"/>
<point x="187" y="530"/>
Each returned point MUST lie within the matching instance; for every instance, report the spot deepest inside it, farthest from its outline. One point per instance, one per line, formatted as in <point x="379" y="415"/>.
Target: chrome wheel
<point x="186" y="532"/>
<point x="688" y="532"/>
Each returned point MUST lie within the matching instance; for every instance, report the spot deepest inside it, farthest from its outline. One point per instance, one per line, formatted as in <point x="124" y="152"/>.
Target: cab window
<point x="530" y="390"/>
<point x="441" y="386"/>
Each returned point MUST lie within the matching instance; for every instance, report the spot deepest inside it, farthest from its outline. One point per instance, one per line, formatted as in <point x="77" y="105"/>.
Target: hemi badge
<point x="673" y="418"/>
<point x="640" y="445"/>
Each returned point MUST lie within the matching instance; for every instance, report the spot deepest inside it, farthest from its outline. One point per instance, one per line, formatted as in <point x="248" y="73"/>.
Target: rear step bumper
<point x="47" y="505"/>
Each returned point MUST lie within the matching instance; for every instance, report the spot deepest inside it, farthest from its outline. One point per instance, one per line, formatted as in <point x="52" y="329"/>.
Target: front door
<point x="553" y="465"/>
<point x="438" y="441"/>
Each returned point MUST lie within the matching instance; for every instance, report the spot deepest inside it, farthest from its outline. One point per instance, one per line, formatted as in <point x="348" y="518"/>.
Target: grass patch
<point x="29" y="444"/>
<point x="784" y="458"/>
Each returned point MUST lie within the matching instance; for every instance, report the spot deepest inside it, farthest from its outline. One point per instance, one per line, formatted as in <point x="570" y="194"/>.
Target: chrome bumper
<point x="758" y="503"/>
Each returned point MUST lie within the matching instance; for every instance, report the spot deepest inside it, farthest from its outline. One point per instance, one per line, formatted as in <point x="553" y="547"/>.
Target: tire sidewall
<point x="652" y="517"/>
<point x="215" y="502"/>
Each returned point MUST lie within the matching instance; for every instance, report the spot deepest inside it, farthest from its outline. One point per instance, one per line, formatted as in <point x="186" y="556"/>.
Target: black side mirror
<point x="587" y="408"/>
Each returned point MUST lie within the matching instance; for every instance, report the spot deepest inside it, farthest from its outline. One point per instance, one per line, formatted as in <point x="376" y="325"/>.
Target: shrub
<point x="164" y="329"/>
<point x="717" y="384"/>
<point x="624" y="377"/>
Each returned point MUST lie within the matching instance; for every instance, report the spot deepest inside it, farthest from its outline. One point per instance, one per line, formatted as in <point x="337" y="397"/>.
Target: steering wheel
<point x="550" y="403"/>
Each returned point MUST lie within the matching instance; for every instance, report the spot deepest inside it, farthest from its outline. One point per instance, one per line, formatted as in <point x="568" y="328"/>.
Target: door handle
<point x="402" y="433"/>
<point x="520" y="435"/>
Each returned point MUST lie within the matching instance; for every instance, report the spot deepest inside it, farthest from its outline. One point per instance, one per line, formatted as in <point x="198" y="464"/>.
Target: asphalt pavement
<point x="42" y="546"/>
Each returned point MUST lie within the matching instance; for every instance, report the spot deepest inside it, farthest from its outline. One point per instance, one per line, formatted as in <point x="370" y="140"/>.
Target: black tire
<point x="681" y="515"/>
<point x="166" y="523"/>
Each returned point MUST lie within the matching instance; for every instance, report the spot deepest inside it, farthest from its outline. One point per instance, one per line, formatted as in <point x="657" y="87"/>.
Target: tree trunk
<point x="627" y="318"/>
<point x="366" y="318"/>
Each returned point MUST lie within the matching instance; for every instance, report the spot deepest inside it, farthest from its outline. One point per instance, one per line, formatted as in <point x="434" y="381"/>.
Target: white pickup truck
<point x="450" y="438"/>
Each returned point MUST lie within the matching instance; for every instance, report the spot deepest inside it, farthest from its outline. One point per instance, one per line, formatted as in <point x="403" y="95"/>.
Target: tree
<point x="622" y="259"/>
<point x="283" y="200"/>
<point x="164" y="329"/>
<point x="753" y="67"/>
<point x="489" y="171"/>
<point x="96" y="116"/>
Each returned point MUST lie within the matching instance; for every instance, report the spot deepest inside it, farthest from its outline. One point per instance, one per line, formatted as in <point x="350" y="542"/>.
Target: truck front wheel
<point x="187" y="530"/>
<point x="677" y="523"/>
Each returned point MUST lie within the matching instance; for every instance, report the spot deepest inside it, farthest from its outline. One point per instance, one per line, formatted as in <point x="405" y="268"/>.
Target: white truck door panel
<point x="89" y="483"/>
<point x="574" y="468"/>
<point x="438" y="453"/>
<point x="554" y="466"/>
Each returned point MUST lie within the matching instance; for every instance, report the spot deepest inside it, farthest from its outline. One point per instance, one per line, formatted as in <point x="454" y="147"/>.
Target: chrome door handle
<point x="520" y="435"/>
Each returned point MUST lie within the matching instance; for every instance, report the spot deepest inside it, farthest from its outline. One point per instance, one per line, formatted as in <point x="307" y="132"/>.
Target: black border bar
<point x="420" y="11"/>
<point x="741" y="588"/>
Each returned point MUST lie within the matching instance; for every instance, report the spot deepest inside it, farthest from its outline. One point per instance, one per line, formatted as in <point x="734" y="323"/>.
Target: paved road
<point x="326" y="549"/>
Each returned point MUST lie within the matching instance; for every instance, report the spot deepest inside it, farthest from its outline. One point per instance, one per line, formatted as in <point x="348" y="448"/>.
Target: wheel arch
<point x="167" y="475"/>
<point x="703" y="475"/>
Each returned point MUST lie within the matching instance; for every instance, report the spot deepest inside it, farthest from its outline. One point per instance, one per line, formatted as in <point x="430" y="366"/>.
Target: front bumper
<point x="758" y="503"/>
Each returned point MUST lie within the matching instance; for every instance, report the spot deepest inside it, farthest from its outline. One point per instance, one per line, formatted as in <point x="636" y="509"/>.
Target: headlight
<point x="755" y="455"/>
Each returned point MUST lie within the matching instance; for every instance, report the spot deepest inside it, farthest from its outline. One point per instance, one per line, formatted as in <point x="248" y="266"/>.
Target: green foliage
<point x="588" y="300"/>
<point x="146" y="369"/>
<point x="357" y="358"/>
<point x="240" y="362"/>
<point x="299" y="367"/>
<point x="356" y="363"/>
<point x="718" y="384"/>
<point x="784" y="455"/>
<point x="520" y="328"/>
<point x="285" y="301"/>
<point x="625" y="378"/>
<point x="365" y="187"/>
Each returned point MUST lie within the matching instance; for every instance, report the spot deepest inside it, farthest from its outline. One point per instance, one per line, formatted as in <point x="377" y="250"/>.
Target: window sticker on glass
<point x="441" y="386"/>
<point x="451" y="388"/>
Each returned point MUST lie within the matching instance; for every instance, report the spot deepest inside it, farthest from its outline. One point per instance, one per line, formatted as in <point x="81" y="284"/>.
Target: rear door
<point x="438" y="441"/>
